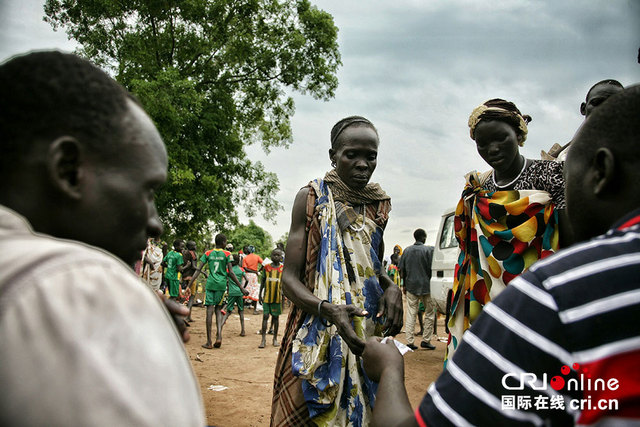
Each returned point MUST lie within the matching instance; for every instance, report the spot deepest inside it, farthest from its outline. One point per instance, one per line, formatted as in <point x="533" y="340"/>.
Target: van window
<point x="448" y="237"/>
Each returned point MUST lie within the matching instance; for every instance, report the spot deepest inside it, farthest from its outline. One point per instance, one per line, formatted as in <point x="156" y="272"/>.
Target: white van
<point x="445" y="257"/>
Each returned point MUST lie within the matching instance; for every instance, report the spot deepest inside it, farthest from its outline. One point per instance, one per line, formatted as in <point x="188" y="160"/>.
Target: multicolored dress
<point x="500" y="235"/>
<point x="318" y="380"/>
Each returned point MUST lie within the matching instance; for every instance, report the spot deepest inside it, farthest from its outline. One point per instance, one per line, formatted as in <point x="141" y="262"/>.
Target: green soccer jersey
<point x="234" y="290"/>
<point x="173" y="259"/>
<point x="217" y="260"/>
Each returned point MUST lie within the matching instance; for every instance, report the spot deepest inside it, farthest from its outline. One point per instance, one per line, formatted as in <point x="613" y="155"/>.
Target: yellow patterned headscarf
<point x="481" y="111"/>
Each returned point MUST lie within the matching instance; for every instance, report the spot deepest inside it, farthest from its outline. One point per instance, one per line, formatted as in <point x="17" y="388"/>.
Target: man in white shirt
<point x="84" y="341"/>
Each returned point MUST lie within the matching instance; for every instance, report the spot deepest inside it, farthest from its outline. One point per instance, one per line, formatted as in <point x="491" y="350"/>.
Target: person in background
<point x="415" y="268"/>
<point x="597" y="94"/>
<point x="152" y="270"/>
<point x="271" y="296"/>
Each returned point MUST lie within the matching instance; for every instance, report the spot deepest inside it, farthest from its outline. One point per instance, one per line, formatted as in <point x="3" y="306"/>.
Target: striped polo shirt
<point x="559" y="346"/>
<point x="273" y="283"/>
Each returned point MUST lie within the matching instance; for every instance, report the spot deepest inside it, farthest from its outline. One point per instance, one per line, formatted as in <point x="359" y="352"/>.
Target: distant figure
<point x="252" y="265"/>
<point x="190" y="258"/>
<point x="83" y="341"/>
<point x="152" y="270"/>
<point x="271" y="296"/>
<point x="235" y="294"/>
<point x="392" y="268"/>
<point x="174" y="264"/>
<point x="560" y="346"/>
<point x="219" y="262"/>
<point x="415" y="268"/>
<point x="597" y="94"/>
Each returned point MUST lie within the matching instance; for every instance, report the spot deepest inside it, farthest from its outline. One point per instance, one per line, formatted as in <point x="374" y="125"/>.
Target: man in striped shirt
<point x="561" y="345"/>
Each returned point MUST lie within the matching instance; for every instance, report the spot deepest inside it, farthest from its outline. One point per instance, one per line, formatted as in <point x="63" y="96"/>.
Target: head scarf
<point x="399" y="248"/>
<point x="482" y="112"/>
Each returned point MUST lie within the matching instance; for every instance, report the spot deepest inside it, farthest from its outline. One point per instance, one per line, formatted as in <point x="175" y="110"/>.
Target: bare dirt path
<point x="247" y="371"/>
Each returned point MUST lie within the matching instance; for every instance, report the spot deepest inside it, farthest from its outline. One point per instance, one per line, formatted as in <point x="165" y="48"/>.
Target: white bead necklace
<point x="524" y="166"/>
<point x="363" y="222"/>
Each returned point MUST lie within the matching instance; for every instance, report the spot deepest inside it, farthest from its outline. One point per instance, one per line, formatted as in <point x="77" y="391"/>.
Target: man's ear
<point x="583" y="109"/>
<point x="332" y="154"/>
<point x="604" y="170"/>
<point x="63" y="165"/>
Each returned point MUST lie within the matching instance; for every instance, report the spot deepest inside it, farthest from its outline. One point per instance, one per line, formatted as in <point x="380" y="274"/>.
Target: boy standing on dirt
<point x="235" y="294"/>
<point x="219" y="262"/>
<point x="271" y="295"/>
<point x="174" y="263"/>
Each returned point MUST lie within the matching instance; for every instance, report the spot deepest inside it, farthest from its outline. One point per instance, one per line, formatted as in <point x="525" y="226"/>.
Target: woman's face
<point x="356" y="156"/>
<point x="497" y="144"/>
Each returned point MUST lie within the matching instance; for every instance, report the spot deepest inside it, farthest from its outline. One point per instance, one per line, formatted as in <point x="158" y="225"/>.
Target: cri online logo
<point x="558" y="382"/>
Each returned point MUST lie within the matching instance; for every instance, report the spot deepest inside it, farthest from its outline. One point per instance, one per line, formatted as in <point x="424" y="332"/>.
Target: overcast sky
<point x="417" y="69"/>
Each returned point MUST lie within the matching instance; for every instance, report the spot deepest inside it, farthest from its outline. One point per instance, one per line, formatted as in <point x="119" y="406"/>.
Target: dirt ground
<point x="247" y="371"/>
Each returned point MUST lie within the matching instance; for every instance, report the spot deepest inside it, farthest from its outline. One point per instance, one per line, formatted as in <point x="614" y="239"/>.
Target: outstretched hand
<point x="178" y="312"/>
<point x="390" y="306"/>
<point x="341" y="316"/>
<point x="377" y="357"/>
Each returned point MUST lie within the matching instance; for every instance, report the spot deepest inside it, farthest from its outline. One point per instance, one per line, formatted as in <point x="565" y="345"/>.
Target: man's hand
<point x="390" y="306"/>
<point x="178" y="312"/>
<point x="245" y="292"/>
<point x="378" y="357"/>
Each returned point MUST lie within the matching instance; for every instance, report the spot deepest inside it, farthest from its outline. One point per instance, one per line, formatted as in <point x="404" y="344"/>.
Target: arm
<point x="197" y="273"/>
<point x="233" y="277"/>
<point x="390" y="305"/>
<point x="261" y="291"/>
<point x="384" y="364"/>
<point x="295" y="289"/>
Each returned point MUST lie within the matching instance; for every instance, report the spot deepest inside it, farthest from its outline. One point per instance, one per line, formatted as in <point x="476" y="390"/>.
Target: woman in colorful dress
<point x="341" y="293"/>
<point x="506" y="219"/>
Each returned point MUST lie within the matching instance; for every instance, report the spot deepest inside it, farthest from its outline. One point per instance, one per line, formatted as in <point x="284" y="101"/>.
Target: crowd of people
<point x="549" y="256"/>
<point x="227" y="281"/>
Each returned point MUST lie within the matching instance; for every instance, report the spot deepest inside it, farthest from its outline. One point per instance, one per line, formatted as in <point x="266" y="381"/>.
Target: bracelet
<point x="322" y="319"/>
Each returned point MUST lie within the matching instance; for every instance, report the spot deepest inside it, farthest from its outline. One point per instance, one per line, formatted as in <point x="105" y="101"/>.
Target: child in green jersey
<point x="235" y="294"/>
<point x="173" y="263"/>
<point x="219" y="262"/>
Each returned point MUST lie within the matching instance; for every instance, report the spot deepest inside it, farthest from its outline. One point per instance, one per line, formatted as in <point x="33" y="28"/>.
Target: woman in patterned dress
<point x="341" y="294"/>
<point x="507" y="218"/>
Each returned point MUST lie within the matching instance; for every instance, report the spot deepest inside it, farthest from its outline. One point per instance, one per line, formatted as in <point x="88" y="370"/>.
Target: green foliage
<point x="213" y="76"/>
<point x="252" y="234"/>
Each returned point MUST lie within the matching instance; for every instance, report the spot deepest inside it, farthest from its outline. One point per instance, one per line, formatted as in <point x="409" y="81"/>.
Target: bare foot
<point x="275" y="343"/>
<point x="217" y="344"/>
<point x="242" y="334"/>
<point x="262" y="344"/>
<point x="207" y="345"/>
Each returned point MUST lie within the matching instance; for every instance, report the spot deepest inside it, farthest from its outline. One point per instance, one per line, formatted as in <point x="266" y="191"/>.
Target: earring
<point x="333" y="165"/>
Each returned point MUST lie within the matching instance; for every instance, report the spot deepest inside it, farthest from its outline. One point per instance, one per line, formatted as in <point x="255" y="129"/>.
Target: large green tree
<point x="251" y="234"/>
<point x="215" y="75"/>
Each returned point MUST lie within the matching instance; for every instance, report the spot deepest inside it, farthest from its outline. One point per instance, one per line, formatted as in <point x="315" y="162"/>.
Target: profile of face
<point x="597" y="96"/>
<point x="191" y="245"/>
<point x="356" y="155"/>
<point x="179" y="247"/>
<point x="118" y="190"/>
<point x="497" y="144"/>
